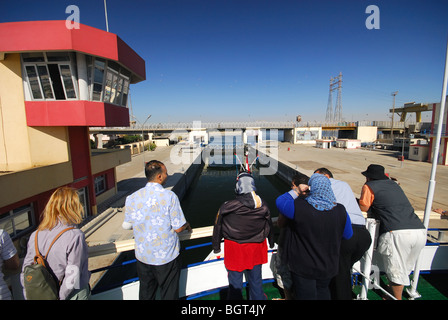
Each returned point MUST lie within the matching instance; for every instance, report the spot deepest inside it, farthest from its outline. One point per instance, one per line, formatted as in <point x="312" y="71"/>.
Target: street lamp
<point x="393" y="112"/>
<point x="143" y="139"/>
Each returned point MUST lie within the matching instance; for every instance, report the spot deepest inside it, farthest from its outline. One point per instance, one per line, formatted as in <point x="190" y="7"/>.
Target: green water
<point x="214" y="186"/>
<point x="211" y="188"/>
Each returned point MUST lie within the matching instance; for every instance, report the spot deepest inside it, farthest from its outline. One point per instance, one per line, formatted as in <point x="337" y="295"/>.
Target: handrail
<point x="127" y="245"/>
<point x="197" y="233"/>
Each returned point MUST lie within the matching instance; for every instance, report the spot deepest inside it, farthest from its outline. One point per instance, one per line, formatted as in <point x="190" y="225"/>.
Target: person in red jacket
<point x="244" y="223"/>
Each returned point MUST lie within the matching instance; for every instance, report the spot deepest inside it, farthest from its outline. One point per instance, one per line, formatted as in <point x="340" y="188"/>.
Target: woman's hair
<point x="64" y="205"/>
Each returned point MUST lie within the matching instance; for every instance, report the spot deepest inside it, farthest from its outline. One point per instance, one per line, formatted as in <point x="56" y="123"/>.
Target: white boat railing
<point x="127" y="245"/>
<point x="193" y="281"/>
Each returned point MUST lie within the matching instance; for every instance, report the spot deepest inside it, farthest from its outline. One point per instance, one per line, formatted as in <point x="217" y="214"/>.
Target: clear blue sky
<point x="238" y="60"/>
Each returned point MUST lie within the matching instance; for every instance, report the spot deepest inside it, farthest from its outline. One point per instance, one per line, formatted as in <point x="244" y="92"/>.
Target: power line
<point x="335" y="84"/>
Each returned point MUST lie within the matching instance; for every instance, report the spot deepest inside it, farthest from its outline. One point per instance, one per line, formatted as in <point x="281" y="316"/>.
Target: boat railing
<point x="205" y="232"/>
<point x="197" y="233"/>
<point x="118" y="247"/>
<point x="127" y="245"/>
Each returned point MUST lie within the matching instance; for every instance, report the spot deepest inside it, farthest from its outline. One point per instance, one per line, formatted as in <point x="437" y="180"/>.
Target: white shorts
<point x="400" y="250"/>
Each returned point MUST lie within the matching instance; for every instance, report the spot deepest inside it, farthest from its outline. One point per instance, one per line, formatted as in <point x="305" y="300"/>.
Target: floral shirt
<point x="155" y="214"/>
<point x="7" y="251"/>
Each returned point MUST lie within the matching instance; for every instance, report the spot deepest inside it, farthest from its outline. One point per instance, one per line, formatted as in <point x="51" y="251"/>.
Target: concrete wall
<point x="135" y="147"/>
<point x="285" y="170"/>
<point x="185" y="179"/>
<point x="307" y="135"/>
<point x="366" y="134"/>
<point x="104" y="159"/>
<point x="14" y="143"/>
<point x="48" y="145"/>
<point x="162" y="142"/>
<point x="24" y="184"/>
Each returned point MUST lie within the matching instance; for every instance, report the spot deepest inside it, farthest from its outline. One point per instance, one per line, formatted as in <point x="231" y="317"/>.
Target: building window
<point x="18" y="221"/>
<point x="100" y="184"/>
<point x="83" y="198"/>
<point x="108" y="81"/>
<point x="95" y="74"/>
<point x="50" y="75"/>
<point x="33" y="82"/>
<point x="53" y="76"/>
<point x="67" y="81"/>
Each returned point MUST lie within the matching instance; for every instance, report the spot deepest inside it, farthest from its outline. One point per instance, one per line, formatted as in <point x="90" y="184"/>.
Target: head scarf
<point x="245" y="183"/>
<point x="321" y="195"/>
<point x="245" y="191"/>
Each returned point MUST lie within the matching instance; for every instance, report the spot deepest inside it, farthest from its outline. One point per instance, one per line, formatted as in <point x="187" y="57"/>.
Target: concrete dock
<point x="345" y="165"/>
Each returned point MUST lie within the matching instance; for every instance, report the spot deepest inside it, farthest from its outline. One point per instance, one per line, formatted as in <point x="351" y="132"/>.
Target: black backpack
<point x="39" y="280"/>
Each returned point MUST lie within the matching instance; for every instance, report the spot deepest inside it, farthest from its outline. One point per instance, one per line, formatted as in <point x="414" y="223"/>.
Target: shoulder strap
<point x="54" y="240"/>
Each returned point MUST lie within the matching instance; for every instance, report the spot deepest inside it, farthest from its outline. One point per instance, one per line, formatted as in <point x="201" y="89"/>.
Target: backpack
<point x="39" y="280"/>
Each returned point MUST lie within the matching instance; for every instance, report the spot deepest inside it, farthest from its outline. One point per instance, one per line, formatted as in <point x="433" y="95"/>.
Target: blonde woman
<point x="68" y="257"/>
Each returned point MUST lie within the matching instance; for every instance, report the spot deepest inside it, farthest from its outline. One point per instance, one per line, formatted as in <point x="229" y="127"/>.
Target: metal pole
<point x="393" y="112"/>
<point x="105" y="13"/>
<point x="402" y="141"/>
<point x="371" y="225"/>
<point x="143" y="141"/>
<point x="432" y="183"/>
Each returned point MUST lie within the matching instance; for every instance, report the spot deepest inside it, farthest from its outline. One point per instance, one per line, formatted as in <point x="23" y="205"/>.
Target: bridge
<point x="244" y="125"/>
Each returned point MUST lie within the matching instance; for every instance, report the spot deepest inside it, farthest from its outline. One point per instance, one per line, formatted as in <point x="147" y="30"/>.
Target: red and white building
<point x="55" y="83"/>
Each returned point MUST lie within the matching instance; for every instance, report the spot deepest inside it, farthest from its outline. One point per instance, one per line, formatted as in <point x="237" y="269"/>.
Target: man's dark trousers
<point x="352" y="250"/>
<point x="166" y="277"/>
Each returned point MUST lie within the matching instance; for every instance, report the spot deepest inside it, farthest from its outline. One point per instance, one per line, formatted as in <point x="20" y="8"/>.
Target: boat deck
<point x="430" y="287"/>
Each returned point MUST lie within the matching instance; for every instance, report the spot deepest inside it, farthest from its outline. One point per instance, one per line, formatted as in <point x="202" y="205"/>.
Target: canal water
<point x="210" y="189"/>
<point x="214" y="186"/>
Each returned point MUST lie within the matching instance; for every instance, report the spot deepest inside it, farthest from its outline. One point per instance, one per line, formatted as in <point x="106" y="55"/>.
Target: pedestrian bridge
<point x="249" y="131"/>
<point x="169" y="127"/>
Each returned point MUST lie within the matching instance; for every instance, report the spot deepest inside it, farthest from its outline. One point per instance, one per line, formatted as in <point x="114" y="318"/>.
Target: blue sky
<point x="240" y="60"/>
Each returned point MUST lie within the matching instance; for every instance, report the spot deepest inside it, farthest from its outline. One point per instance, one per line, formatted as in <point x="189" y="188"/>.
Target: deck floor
<point x="430" y="286"/>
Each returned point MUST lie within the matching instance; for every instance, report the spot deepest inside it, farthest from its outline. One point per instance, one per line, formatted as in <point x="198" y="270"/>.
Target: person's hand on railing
<point x="441" y="211"/>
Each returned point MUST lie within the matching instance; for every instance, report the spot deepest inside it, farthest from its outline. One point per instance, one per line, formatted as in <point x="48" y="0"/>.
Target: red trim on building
<point x="81" y="163"/>
<point x="28" y="36"/>
<point x="75" y="113"/>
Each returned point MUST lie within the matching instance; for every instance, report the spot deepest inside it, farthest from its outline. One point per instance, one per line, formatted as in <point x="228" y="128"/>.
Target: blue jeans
<point x="253" y="277"/>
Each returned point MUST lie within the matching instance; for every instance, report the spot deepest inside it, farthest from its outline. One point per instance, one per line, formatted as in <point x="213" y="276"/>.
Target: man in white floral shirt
<point x="155" y="215"/>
